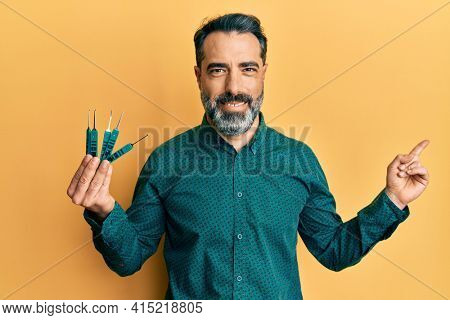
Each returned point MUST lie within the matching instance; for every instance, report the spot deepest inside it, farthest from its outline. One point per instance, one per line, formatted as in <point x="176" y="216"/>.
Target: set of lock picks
<point x="109" y="140"/>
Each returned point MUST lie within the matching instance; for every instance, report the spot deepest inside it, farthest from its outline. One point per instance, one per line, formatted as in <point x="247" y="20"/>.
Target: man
<point x="232" y="193"/>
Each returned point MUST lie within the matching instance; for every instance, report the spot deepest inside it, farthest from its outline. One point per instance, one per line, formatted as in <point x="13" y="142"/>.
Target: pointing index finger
<point x="419" y="148"/>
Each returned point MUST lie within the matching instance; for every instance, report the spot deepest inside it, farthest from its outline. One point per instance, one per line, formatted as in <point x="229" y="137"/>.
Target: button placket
<point x="239" y="223"/>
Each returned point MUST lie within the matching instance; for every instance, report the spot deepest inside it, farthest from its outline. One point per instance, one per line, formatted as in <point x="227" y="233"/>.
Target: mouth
<point x="234" y="104"/>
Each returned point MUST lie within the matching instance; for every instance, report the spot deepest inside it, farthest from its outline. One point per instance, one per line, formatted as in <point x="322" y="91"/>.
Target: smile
<point x="231" y="104"/>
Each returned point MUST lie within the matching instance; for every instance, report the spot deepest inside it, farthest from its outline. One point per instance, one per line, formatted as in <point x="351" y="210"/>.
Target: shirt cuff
<point x="400" y="214"/>
<point x="95" y="223"/>
<point x="111" y="229"/>
<point x="380" y="218"/>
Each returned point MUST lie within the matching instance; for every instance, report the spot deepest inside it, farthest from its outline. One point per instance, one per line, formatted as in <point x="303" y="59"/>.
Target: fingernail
<point x="104" y="163"/>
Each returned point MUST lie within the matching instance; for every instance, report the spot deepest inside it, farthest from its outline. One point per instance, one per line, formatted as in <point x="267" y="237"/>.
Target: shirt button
<point x="239" y="194"/>
<point x="239" y="236"/>
<point x="238" y="278"/>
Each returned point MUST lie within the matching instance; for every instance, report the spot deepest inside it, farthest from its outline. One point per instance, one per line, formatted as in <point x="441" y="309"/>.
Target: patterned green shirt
<point x="232" y="219"/>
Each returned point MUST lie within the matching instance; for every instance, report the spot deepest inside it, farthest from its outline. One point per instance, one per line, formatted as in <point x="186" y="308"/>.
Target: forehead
<point x="224" y="46"/>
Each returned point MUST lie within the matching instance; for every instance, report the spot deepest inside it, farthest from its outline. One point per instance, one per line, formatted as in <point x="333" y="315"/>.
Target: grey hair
<point x="227" y="23"/>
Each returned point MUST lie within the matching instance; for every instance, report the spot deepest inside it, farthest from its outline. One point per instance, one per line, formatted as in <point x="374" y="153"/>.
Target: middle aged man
<point x="232" y="194"/>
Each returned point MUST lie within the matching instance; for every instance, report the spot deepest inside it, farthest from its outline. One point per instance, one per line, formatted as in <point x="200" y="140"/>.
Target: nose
<point x="233" y="82"/>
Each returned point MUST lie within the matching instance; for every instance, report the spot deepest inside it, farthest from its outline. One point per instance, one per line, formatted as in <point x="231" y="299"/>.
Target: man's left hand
<point x="406" y="177"/>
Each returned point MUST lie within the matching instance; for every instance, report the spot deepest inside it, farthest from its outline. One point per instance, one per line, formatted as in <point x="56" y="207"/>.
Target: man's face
<point x="231" y="80"/>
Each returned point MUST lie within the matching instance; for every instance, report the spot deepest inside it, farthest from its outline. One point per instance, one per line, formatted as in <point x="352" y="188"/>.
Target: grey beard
<point x="231" y="123"/>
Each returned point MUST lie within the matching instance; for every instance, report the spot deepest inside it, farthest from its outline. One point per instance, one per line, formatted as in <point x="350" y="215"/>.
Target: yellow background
<point x="133" y="56"/>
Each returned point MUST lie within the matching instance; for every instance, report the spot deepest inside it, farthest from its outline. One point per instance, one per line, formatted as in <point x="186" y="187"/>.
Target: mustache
<point x="228" y="97"/>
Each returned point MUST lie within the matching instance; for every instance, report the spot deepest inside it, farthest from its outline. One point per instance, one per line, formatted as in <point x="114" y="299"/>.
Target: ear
<point x="198" y="73"/>
<point x="264" y="68"/>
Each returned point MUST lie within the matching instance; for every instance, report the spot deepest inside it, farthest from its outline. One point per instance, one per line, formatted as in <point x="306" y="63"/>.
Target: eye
<point x="214" y="70"/>
<point x="249" y="69"/>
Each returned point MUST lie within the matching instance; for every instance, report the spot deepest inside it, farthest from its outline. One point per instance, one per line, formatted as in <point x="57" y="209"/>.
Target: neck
<point x="239" y="141"/>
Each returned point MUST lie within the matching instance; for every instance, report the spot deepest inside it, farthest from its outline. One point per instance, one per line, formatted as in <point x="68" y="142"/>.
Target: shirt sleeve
<point x="127" y="238"/>
<point x="335" y="244"/>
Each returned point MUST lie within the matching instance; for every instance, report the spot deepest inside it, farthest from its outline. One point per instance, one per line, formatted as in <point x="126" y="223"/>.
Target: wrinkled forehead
<point x="231" y="47"/>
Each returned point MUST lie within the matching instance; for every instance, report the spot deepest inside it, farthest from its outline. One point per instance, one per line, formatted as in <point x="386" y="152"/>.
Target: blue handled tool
<point x="126" y="148"/>
<point x="106" y="137"/>
<point x="112" y="140"/>
<point x="91" y="137"/>
<point x="88" y="134"/>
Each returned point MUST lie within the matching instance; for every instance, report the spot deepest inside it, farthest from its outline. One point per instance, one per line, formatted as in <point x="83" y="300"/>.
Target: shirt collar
<point x="209" y="136"/>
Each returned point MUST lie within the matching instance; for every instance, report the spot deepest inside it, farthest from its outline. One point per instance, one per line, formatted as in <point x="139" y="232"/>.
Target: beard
<point x="232" y="123"/>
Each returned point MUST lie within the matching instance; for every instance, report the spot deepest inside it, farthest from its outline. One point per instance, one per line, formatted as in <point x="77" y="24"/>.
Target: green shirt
<point x="231" y="218"/>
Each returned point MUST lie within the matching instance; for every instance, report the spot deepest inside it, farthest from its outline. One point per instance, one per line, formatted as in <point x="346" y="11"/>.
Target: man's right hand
<point x="89" y="187"/>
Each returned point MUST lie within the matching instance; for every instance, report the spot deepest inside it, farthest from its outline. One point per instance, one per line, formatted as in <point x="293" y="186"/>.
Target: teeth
<point x="235" y="104"/>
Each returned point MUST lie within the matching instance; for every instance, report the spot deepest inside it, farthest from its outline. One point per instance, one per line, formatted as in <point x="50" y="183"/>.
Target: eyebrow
<point x="226" y="65"/>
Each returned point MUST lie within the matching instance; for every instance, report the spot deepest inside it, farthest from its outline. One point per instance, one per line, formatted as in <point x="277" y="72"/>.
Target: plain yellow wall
<point x="135" y="56"/>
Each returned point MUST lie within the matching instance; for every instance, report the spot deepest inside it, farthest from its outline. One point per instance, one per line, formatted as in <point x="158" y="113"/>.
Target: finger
<point x="96" y="184"/>
<point x="108" y="177"/>
<point x="77" y="175"/>
<point x="404" y="167"/>
<point x="85" y="179"/>
<point x="414" y="164"/>
<point x="400" y="159"/>
<point x="421" y="171"/>
<point x="419" y="148"/>
<point x="405" y="158"/>
<point x="402" y="174"/>
<point x="105" y="187"/>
